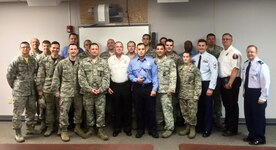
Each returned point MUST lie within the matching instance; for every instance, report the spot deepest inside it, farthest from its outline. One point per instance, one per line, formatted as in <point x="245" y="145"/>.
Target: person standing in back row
<point x="229" y="73"/>
<point x="256" y="79"/>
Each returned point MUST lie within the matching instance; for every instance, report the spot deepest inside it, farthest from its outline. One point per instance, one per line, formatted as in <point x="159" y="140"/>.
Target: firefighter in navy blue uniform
<point x="256" y="81"/>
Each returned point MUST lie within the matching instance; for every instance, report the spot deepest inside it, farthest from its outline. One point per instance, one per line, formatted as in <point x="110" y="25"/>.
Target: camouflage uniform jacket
<point x="176" y="58"/>
<point x="105" y="55"/>
<point x="83" y="55"/>
<point x="21" y="76"/>
<point x="151" y="52"/>
<point x="35" y="54"/>
<point x="216" y="51"/>
<point x="190" y="82"/>
<point x="166" y="75"/>
<point x="93" y="75"/>
<point x="65" y="78"/>
<point x="45" y="73"/>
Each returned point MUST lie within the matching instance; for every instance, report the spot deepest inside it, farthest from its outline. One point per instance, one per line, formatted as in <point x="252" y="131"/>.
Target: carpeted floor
<point x="172" y="143"/>
<point x="222" y="147"/>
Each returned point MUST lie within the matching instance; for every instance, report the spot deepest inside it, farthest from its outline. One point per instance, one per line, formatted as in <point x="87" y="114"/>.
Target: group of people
<point x="152" y="86"/>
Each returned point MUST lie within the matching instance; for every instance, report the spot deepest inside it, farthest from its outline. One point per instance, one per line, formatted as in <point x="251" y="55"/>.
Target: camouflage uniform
<point x="44" y="82"/>
<point x="94" y="75"/>
<point x="83" y="55"/>
<point x="108" y="107"/>
<point x="189" y="92"/>
<point x="21" y="78"/>
<point x="217" y="97"/>
<point x="176" y="108"/>
<point x="167" y="83"/>
<point x="65" y="82"/>
<point x="151" y="52"/>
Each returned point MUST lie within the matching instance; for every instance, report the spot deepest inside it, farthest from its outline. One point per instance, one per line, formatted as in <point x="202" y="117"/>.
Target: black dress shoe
<point x="154" y="134"/>
<point x="139" y="134"/>
<point x="256" y="142"/>
<point x="229" y="133"/>
<point x="128" y="133"/>
<point x="115" y="133"/>
<point x="206" y="134"/>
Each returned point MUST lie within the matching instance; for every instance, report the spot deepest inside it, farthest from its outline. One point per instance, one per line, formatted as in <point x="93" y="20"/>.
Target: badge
<point x="214" y="65"/>
<point x="205" y="61"/>
<point x="235" y="56"/>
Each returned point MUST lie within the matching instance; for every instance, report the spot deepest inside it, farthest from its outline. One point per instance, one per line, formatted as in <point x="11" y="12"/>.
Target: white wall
<point x="249" y="21"/>
<point x="18" y="23"/>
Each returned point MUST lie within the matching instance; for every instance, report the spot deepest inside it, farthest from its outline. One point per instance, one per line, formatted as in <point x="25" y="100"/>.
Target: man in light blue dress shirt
<point x="142" y="71"/>
<point x="73" y="39"/>
<point x="256" y="81"/>
<point x="208" y="66"/>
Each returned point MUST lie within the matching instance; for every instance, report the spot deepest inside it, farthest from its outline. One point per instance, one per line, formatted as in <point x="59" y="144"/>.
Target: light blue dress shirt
<point x="208" y="68"/>
<point x="145" y="68"/>
<point x="259" y="76"/>
<point x="64" y="51"/>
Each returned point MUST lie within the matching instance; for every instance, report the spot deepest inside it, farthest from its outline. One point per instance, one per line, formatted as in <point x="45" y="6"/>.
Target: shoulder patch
<point x="235" y="56"/>
<point x="260" y="62"/>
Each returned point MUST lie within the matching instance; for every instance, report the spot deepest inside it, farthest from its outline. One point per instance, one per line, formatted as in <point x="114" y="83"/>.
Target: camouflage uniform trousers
<point x="64" y="106"/>
<point x="189" y="110"/>
<point x="19" y="104"/>
<point x="98" y="102"/>
<point x="166" y="110"/>
<point x="52" y="109"/>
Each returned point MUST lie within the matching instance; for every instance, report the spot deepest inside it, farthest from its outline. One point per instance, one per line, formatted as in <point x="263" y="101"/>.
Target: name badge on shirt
<point x="205" y="61"/>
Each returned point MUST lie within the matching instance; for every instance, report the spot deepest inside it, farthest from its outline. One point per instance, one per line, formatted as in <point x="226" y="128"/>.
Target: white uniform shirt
<point x="259" y="76"/>
<point x="228" y="60"/>
<point x="118" y="68"/>
<point x="208" y="68"/>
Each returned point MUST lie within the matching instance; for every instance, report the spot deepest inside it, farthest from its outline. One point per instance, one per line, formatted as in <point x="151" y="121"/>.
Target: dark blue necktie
<point x="199" y="62"/>
<point x="247" y="75"/>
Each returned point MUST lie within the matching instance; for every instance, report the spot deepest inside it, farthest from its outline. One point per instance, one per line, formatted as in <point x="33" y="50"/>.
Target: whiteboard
<point x="101" y="34"/>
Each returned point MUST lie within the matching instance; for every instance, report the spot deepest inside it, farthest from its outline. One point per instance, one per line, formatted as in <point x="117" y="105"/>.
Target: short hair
<point x="72" y="45"/>
<point x="141" y="44"/>
<point x="131" y="42"/>
<point x="210" y="34"/>
<point x="160" y="44"/>
<point x="72" y="34"/>
<point x="147" y="35"/>
<point x="186" y="52"/>
<point x="55" y="42"/>
<point x="188" y="41"/>
<point x="46" y="42"/>
<point x="249" y="46"/>
<point x="170" y="40"/>
<point x="119" y="42"/>
<point x="228" y="35"/>
<point x="87" y="41"/>
<point x="162" y="38"/>
<point x="94" y="44"/>
<point x="202" y="40"/>
<point x="25" y="42"/>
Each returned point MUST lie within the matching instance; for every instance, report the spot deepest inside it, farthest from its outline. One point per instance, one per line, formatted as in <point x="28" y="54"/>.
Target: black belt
<point x="143" y="84"/>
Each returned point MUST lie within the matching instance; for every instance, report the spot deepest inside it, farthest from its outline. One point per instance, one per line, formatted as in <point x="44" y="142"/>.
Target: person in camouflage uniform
<point x="44" y="82"/>
<point x="42" y="107"/>
<point x="85" y="53"/>
<point x="65" y="85"/>
<point x="169" y="45"/>
<point x="21" y="78"/>
<point x="94" y="79"/>
<point x="146" y="39"/>
<point x="189" y="92"/>
<point x="167" y="84"/>
<point x="105" y="55"/>
<point x="215" y="51"/>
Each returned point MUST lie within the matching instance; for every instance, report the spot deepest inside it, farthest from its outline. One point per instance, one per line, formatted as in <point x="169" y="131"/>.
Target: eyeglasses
<point x="225" y="39"/>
